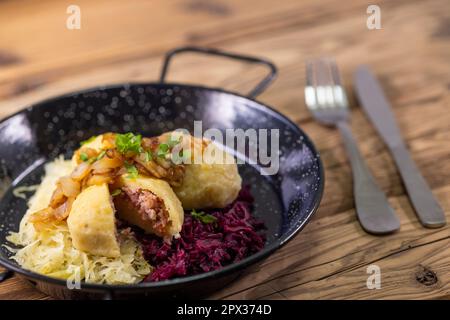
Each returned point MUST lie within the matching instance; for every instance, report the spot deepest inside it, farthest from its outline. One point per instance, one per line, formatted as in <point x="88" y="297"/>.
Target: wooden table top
<point x="123" y="41"/>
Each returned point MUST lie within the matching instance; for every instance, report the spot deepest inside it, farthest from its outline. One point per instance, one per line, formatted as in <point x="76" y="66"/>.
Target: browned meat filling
<point x="148" y="204"/>
<point x="144" y="209"/>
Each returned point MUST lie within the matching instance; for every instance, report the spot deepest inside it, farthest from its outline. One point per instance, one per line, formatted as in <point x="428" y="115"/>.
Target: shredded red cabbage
<point x="204" y="247"/>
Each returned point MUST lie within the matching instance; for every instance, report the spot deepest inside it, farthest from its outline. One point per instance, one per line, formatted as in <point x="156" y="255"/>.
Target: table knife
<point x="377" y="108"/>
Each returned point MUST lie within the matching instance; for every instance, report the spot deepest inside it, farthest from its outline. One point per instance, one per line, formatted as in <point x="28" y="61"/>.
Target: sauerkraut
<point x="50" y="251"/>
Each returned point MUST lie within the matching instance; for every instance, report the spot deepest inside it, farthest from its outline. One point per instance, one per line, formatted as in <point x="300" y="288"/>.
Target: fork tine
<point x="321" y="73"/>
<point x="310" y="89"/>
<point x="340" y="97"/>
<point x="309" y="73"/>
<point x="320" y="82"/>
<point x="332" y="85"/>
<point x="324" y="94"/>
<point x="335" y="72"/>
<point x="324" y="87"/>
<point x="325" y="81"/>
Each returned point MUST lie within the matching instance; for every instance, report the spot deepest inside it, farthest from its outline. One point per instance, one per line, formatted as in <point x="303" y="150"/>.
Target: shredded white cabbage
<point x="19" y="192"/>
<point x="51" y="252"/>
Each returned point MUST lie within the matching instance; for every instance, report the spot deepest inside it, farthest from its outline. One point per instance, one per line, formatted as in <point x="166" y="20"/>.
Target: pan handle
<point x="260" y="87"/>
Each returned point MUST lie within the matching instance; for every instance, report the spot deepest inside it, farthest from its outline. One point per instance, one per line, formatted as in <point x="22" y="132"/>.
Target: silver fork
<point x="326" y="99"/>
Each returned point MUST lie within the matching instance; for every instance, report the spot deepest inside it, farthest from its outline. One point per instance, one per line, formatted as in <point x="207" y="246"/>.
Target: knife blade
<point x="376" y="106"/>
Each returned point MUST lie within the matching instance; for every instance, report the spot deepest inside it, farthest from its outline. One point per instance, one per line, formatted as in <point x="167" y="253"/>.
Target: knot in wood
<point x="426" y="276"/>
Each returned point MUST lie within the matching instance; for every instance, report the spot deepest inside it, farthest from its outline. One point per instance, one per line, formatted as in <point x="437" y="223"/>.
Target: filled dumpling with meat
<point x="150" y="204"/>
<point x="92" y="222"/>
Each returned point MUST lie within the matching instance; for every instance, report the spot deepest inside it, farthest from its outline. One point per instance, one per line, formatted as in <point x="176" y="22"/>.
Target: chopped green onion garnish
<point x="133" y="172"/>
<point x="148" y="156"/>
<point x="163" y="149"/>
<point x="84" y="157"/>
<point x="129" y="142"/>
<point x="173" y="143"/>
<point x="101" y="155"/>
<point x="203" y="217"/>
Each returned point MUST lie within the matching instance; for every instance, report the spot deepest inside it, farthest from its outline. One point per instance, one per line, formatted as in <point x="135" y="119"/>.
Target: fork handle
<point x="372" y="207"/>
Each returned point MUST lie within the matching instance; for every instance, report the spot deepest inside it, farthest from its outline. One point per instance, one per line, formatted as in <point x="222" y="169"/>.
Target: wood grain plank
<point x="335" y="244"/>
<point x="125" y="41"/>
<point x="402" y="277"/>
<point x="16" y="288"/>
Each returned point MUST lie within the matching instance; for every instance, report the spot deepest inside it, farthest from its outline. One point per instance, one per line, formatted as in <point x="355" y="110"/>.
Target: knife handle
<point x="428" y="210"/>
<point x="372" y="207"/>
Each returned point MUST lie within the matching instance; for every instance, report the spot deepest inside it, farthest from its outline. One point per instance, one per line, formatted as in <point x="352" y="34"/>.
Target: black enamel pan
<point x="284" y="201"/>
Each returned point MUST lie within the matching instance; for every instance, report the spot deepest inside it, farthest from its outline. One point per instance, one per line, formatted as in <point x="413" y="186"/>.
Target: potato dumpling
<point x="209" y="184"/>
<point x="150" y="204"/>
<point x="92" y="223"/>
